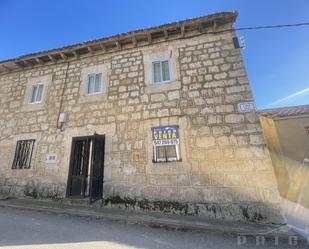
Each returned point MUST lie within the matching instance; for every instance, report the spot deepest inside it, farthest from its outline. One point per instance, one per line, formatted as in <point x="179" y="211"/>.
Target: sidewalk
<point x="297" y="216"/>
<point x="150" y="218"/>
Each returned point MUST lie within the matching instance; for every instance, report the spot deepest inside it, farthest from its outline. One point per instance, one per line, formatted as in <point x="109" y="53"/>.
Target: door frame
<point x="72" y="152"/>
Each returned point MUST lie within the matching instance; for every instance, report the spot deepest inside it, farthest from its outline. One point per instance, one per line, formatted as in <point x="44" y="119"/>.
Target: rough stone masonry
<point x="225" y="171"/>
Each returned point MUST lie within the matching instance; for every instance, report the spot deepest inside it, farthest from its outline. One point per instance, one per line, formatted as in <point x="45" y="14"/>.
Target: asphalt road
<point x="29" y="229"/>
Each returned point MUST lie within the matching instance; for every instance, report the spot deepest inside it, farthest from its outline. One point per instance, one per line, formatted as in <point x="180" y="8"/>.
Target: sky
<point x="276" y="60"/>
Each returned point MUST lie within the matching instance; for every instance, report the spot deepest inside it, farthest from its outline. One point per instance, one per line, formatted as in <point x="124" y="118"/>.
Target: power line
<point x="274" y="26"/>
<point x="259" y="27"/>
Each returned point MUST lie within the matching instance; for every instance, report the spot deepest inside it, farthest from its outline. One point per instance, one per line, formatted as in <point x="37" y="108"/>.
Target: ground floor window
<point x="23" y="154"/>
<point x="167" y="153"/>
<point x="165" y="141"/>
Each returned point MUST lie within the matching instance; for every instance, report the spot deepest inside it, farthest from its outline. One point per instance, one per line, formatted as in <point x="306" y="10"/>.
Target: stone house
<point x="159" y="119"/>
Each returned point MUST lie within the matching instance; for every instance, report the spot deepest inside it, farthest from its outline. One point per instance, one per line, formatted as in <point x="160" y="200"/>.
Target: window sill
<point x="35" y="103"/>
<point x="92" y="97"/>
<point x="165" y="86"/>
<point x="163" y="162"/>
<point x="23" y="172"/>
<point x="168" y="167"/>
<point x="92" y="94"/>
<point x="36" y="106"/>
<point x="161" y="82"/>
<point x="20" y="168"/>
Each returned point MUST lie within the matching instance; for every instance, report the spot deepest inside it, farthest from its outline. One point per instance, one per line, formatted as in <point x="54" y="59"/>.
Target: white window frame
<point x="87" y="84"/>
<point x="31" y="92"/>
<point x="161" y="72"/>
<point x="167" y="160"/>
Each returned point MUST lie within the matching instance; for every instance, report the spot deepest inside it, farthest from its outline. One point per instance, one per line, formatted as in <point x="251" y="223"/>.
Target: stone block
<point x="200" y="180"/>
<point x="157" y="97"/>
<point x="137" y="156"/>
<point x="203" y="131"/>
<point x="235" y="180"/>
<point x="244" y="194"/>
<point x="213" y="154"/>
<point x="237" y="89"/>
<point x="215" y="119"/>
<point x="216" y="179"/>
<point x="223" y="141"/>
<point x="197" y="154"/>
<point x="173" y="95"/>
<point x="162" y="180"/>
<point x="163" y="113"/>
<point x="205" y="142"/>
<point x="207" y="166"/>
<point x="225" y="108"/>
<point x="220" y="76"/>
<point x="220" y="130"/>
<point x="183" y="180"/>
<point x="256" y="139"/>
<point x="140" y="168"/>
<point x="195" y="166"/>
<point x="234" y="118"/>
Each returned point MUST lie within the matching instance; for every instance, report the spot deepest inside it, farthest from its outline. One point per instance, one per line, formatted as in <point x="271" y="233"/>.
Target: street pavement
<point x="32" y="229"/>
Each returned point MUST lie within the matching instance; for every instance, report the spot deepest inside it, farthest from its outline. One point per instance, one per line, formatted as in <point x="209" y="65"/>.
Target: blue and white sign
<point x="246" y="107"/>
<point x="165" y="135"/>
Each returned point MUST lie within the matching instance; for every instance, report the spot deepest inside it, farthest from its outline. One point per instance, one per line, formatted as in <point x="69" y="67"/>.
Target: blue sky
<point x="277" y="60"/>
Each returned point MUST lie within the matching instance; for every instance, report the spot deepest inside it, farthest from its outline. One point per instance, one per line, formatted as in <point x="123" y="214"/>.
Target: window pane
<point x="165" y="71"/>
<point x="156" y="72"/>
<point x="161" y="156"/>
<point x="171" y="153"/>
<point x="97" y="87"/>
<point x="23" y="154"/>
<point x="39" y="93"/>
<point x="33" y="94"/>
<point x="90" y="84"/>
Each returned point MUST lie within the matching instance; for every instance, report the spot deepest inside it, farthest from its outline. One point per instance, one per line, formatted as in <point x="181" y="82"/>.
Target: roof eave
<point x="176" y="30"/>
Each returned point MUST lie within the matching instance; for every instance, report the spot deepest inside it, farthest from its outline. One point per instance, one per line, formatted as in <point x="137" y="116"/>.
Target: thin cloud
<point x="289" y="97"/>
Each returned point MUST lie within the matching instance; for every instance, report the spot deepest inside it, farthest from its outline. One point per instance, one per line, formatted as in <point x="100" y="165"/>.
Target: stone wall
<point x="225" y="170"/>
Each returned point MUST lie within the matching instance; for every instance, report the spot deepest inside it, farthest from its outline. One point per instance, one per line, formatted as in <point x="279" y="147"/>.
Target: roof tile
<point x="285" y="111"/>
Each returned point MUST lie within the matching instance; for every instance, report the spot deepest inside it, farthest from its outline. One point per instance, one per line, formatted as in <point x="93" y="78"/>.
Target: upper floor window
<point x="94" y="84"/>
<point x="161" y="71"/>
<point x="23" y="154"/>
<point x="36" y="93"/>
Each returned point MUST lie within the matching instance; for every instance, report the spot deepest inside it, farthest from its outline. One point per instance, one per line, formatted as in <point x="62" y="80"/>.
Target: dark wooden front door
<point x="86" y="170"/>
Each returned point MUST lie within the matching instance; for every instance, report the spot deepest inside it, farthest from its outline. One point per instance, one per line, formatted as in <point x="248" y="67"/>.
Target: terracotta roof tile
<point x="285" y="111"/>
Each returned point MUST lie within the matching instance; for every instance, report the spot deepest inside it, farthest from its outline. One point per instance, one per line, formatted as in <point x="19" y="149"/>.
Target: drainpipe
<point x="63" y="116"/>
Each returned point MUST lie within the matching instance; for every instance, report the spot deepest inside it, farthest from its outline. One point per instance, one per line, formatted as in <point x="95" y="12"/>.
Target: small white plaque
<point x="51" y="158"/>
<point x="246" y="106"/>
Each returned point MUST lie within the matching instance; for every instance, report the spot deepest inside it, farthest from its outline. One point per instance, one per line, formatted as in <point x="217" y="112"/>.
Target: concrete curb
<point x="148" y="220"/>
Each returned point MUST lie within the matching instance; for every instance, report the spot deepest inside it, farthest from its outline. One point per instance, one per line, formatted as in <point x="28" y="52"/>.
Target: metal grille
<point x="23" y="154"/>
<point x="86" y="171"/>
<point x="166" y="153"/>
